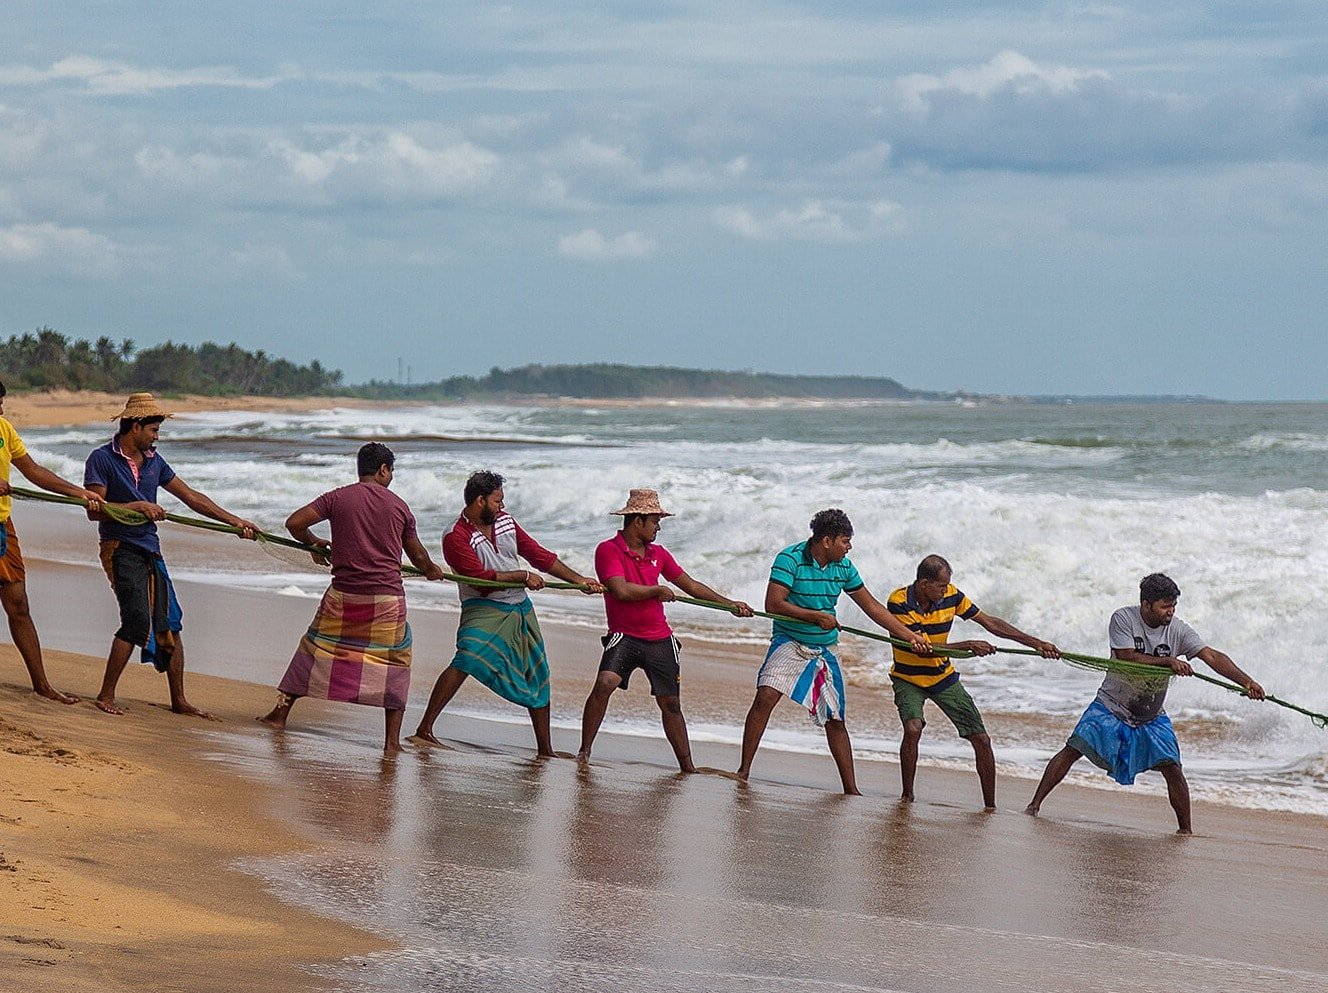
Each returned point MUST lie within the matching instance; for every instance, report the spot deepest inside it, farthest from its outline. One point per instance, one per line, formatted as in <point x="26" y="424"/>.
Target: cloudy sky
<point x="1024" y="197"/>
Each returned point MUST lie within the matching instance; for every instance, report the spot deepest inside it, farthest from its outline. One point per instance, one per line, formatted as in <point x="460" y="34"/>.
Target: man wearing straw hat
<point x="1125" y="731"/>
<point x="358" y="648"/>
<point x="13" y="574"/>
<point x="806" y="580"/>
<point x="498" y="640"/>
<point x="630" y="566"/>
<point x="127" y="471"/>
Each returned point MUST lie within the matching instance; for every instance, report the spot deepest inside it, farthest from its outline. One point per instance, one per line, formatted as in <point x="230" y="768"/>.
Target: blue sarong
<point x="500" y="644"/>
<point x="174" y="618"/>
<point x="1121" y="749"/>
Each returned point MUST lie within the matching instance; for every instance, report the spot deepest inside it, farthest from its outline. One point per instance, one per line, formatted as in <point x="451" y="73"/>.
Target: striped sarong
<point x="357" y="650"/>
<point x="500" y="645"/>
<point x="807" y="674"/>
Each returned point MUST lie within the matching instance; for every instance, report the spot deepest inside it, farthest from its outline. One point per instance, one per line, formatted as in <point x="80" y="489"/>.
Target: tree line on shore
<point x="607" y="381"/>
<point x="47" y="359"/>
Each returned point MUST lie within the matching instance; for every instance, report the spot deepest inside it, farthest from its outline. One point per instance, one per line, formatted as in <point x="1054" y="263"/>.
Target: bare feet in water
<point x="107" y="706"/>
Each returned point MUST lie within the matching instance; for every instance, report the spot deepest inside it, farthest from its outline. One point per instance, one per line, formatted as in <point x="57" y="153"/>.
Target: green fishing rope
<point x="126" y="516"/>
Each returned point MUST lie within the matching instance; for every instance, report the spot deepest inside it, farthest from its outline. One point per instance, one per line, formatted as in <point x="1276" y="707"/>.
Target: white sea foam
<point x="1049" y="523"/>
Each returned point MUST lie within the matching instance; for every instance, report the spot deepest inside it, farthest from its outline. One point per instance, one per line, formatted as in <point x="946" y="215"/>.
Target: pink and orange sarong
<point x="357" y="650"/>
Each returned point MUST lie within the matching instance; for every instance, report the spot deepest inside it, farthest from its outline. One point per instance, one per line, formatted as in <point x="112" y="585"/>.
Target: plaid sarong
<point x="357" y="650"/>
<point x="807" y="674"/>
<point x="500" y="645"/>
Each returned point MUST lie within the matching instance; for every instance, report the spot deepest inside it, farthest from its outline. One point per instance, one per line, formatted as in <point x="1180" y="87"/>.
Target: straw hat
<point x="642" y="502"/>
<point x="141" y="405"/>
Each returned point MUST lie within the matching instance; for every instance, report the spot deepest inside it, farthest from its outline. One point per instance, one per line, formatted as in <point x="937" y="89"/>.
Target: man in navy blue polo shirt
<point x="128" y="470"/>
<point x="806" y="580"/>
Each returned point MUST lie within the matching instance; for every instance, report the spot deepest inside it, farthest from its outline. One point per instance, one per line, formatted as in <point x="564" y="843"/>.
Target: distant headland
<point x="49" y="360"/>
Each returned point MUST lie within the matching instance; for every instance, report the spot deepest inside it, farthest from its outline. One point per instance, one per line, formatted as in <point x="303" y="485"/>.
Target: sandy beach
<point x="52" y="408"/>
<point x="152" y="851"/>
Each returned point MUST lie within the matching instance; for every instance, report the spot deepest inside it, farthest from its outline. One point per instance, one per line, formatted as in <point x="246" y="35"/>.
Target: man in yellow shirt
<point x="13" y="576"/>
<point x="929" y="608"/>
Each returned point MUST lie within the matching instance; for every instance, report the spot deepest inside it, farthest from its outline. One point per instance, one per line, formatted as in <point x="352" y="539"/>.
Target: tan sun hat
<point x="141" y="405"/>
<point x="642" y="502"/>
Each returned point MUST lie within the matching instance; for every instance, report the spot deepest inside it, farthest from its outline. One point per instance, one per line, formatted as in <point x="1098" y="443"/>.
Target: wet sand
<point x="475" y="867"/>
<point x="116" y="837"/>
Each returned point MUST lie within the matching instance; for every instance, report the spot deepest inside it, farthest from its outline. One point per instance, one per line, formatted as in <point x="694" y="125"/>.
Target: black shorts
<point x="624" y="654"/>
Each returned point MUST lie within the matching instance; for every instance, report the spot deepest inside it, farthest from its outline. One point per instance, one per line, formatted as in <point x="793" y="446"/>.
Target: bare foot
<point x="276" y="721"/>
<point x="1184" y="831"/>
<point x="392" y="750"/>
<point x="906" y="798"/>
<point x="742" y="775"/>
<point x="853" y="792"/>
<point x="50" y="693"/>
<point x="989" y="810"/>
<point x="189" y="710"/>
<point x="582" y="758"/>
<point x="424" y="737"/>
<point x="108" y="706"/>
<point x="1031" y="811"/>
<point x="550" y="754"/>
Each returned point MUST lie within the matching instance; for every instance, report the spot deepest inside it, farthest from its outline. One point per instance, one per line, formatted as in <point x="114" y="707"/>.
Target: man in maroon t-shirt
<point x="358" y="648"/>
<point x="630" y="566"/>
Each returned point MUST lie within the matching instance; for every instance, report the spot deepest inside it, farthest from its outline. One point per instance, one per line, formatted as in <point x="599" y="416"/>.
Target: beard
<point x="488" y="516"/>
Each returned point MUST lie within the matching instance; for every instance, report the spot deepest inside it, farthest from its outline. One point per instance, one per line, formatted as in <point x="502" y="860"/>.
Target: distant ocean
<point x="1050" y="515"/>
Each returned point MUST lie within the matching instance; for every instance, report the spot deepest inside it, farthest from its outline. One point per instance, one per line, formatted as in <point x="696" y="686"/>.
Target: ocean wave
<point x="1294" y="442"/>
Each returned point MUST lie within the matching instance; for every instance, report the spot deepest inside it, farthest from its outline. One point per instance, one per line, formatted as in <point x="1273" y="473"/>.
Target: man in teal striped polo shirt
<point x="805" y="582"/>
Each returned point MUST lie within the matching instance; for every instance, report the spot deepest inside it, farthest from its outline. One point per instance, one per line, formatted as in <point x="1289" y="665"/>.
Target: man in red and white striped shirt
<point x="499" y="640"/>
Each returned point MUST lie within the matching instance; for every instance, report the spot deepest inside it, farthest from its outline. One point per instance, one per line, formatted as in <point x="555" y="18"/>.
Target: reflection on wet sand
<point x="492" y="870"/>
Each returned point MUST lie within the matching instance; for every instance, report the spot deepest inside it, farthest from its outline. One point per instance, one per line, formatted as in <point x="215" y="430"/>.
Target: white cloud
<point x="813" y="220"/>
<point x="380" y="166"/>
<point x="1008" y="70"/>
<point x="55" y="249"/>
<point x="591" y="246"/>
<point x="114" y="78"/>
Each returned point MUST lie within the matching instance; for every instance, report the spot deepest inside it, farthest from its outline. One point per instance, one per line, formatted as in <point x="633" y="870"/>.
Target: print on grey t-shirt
<point x="1137" y="700"/>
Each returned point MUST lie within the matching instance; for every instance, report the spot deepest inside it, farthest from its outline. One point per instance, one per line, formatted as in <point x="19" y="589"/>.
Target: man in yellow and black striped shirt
<point x="929" y="607"/>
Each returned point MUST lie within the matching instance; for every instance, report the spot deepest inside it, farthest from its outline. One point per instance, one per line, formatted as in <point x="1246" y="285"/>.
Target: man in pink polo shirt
<point x="630" y="566"/>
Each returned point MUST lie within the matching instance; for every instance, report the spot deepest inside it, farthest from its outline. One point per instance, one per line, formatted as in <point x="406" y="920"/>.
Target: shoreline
<point x="719" y="674"/>
<point x="77" y="408"/>
<point x="115" y="820"/>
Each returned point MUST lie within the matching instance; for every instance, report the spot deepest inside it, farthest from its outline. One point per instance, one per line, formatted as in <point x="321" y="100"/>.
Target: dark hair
<point x="1157" y="587"/>
<point x="934" y="567"/>
<point x="628" y="518"/>
<point x="372" y="456"/>
<point x="831" y="524"/>
<point x="127" y="423"/>
<point x="3" y="391"/>
<point x="481" y="484"/>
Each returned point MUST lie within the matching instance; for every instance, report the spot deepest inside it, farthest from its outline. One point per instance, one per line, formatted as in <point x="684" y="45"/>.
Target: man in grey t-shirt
<point x="1125" y="730"/>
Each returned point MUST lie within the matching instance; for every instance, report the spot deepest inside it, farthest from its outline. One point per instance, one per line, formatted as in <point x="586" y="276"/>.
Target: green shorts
<point x="954" y="701"/>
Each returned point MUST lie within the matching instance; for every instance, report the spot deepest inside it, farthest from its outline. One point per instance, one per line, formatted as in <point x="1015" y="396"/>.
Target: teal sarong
<point x="500" y="644"/>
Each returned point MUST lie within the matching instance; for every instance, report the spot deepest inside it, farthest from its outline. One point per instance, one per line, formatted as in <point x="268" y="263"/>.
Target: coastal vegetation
<point x="47" y="359"/>
<point x="608" y="381"/>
